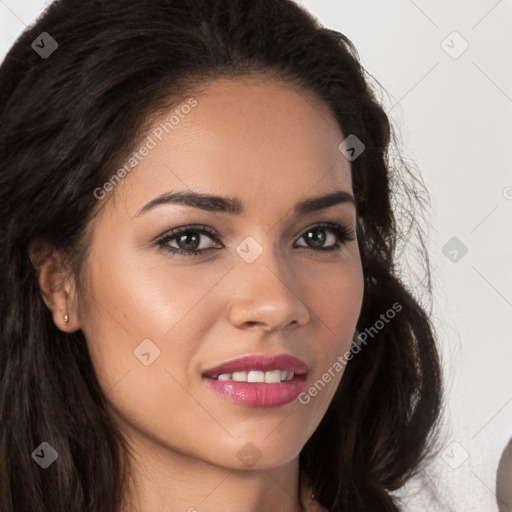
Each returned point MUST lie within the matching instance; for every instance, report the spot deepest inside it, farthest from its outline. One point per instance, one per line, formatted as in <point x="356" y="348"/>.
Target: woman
<point x="173" y="335"/>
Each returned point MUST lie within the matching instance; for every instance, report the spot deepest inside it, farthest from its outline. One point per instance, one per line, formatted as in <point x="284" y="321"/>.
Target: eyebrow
<point x="234" y="206"/>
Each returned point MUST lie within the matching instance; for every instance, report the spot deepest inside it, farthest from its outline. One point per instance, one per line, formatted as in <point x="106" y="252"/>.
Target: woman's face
<point x="157" y="321"/>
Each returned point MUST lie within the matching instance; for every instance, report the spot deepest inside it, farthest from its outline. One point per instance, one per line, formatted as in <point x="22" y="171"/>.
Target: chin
<point x="261" y="452"/>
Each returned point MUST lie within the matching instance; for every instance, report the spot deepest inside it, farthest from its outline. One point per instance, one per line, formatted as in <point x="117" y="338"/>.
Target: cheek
<point x="133" y="305"/>
<point x="335" y="300"/>
<point x="143" y="324"/>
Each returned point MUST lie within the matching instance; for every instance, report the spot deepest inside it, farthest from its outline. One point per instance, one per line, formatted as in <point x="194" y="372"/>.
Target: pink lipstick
<point x="259" y="380"/>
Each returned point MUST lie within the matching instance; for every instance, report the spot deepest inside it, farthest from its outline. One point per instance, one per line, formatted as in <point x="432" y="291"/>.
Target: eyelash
<point x="344" y="234"/>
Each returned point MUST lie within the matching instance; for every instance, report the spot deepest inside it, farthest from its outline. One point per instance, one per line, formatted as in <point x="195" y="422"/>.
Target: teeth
<point x="271" y="377"/>
<point x="254" y="376"/>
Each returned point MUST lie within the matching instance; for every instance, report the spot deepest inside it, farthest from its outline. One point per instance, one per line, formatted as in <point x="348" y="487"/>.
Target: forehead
<point x="252" y="137"/>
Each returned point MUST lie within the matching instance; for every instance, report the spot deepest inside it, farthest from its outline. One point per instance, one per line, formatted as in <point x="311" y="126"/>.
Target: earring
<point x="66" y="318"/>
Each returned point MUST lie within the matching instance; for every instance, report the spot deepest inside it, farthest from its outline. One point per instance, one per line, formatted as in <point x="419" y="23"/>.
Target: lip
<point x="259" y="394"/>
<point x="260" y="363"/>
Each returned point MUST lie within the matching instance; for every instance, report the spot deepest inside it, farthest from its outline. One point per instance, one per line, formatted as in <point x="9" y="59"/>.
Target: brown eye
<point x="317" y="236"/>
<point x="189" y="240"/>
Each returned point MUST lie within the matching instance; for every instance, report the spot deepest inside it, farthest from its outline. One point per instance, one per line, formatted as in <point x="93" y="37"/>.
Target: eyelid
<point x="211" y="232"/>
<point x="326" y="224"/>
<point x="188" y="227"/>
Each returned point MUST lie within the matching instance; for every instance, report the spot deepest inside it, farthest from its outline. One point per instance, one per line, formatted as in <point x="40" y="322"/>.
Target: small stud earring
<point x="66" y="318"/>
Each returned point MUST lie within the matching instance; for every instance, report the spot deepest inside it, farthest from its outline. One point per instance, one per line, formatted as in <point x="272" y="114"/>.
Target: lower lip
<point x="261" y="394"/>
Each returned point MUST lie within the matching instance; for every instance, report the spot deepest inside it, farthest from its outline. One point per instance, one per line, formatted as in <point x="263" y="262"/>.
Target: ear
<point x="57" y="284"/>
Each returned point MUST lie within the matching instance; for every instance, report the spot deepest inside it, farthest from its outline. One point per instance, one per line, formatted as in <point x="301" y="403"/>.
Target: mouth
<point x="259" y="380"/>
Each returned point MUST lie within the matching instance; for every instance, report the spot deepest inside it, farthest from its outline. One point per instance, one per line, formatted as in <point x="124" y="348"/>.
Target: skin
<point x="271" y="145"/>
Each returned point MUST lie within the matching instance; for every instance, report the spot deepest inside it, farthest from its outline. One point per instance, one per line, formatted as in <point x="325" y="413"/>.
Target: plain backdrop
<point x="446" y="70"/>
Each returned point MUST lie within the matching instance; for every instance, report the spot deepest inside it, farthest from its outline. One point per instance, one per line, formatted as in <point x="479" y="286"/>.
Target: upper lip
<point x="260" y="363"/>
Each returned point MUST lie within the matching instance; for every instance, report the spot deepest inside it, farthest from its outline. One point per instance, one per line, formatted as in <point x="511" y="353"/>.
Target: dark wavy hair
<point x="69" y="120"/>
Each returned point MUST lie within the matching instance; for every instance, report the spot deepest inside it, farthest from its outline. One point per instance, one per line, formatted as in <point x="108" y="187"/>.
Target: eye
<point x="316" y="236"/>
<point x="188" y="240"/>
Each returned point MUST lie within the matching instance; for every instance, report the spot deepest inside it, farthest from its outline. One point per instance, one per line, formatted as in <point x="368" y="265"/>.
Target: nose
<point x="266" y="295"/>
